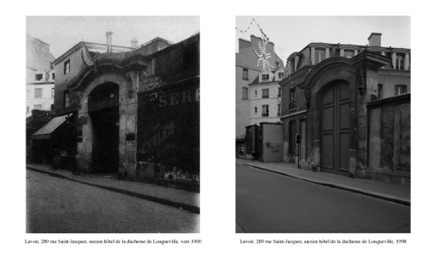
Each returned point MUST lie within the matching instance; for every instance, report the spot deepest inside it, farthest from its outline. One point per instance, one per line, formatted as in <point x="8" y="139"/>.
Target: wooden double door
<point x="335" y="128"/>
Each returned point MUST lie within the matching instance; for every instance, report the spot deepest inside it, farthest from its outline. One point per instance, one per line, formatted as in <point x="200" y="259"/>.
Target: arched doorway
<point x="335" y="128"/>
<point x="103" y="109"/>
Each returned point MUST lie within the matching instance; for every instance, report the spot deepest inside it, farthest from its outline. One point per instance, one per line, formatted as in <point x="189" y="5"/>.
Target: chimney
<point x="244" y="44"/>
<point x="134" y="43"/>
<point x="109" y="42"/>
<point x="374" y="40"/>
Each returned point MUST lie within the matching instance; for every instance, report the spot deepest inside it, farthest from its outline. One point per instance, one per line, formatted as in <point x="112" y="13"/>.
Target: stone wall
<point x="389" y="140"/>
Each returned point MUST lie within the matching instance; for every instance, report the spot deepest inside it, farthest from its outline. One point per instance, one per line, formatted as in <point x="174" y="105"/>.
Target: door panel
<point x="328" y="152"/>
<point x="335" y="128"/>
<point x="344" y="148"/>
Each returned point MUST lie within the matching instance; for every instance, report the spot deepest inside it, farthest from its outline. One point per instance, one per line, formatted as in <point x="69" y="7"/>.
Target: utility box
<point x="271" y="140"/>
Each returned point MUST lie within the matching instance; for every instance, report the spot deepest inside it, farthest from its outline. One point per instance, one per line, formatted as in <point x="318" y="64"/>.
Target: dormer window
<point x="38" y="77"/>
<point x="319" y="55"/>
<point x="348" y="53"/>
<point x="400" y="61"/>
<point x="265" y="77"/>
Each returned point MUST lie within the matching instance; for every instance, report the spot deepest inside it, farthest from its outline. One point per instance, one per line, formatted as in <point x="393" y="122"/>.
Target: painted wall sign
<point x="169" y="126"/>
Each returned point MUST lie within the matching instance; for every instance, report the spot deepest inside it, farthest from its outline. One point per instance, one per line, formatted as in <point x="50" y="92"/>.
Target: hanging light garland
<point x="264" y="36"/>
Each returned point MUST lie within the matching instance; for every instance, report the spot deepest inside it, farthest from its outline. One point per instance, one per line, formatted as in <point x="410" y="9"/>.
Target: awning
<point x="50" y="127"/>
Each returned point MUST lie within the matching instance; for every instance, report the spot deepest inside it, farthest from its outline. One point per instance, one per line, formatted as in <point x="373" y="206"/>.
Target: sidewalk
<point x="391" y="192"/>
<point x="173" y="197"/>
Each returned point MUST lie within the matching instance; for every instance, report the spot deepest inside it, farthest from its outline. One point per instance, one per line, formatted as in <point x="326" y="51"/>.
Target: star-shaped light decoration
<point x="263" y="56"/>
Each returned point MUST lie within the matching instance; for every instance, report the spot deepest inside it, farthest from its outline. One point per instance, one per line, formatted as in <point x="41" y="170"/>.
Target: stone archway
<point x="330" y="91"/>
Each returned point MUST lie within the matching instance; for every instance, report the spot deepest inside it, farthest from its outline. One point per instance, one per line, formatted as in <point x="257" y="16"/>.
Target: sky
<point x="293" y="33"/>
<point x="62" y="33"/>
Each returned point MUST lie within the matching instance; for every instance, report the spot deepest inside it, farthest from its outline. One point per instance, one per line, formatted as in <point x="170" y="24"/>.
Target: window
<point x="400" y="89"/>
<point x="66" y="98"/>
<point x="278" y="109"/>
<point x="244" y="93"/>
<point x="265" y="93"/>
<point x="245" y="74"/>
<point x="380" y="91"/>
<point x="255" y="93"/>
<point x="400" y="61"/>
<point x="255" y="110"/>
<point x="53" y="76"/>
<point x="27" y="109"/>
<point x="38" y="92"/>
<point x="67" y="66"/>
<point x="319" y="55"/>
<point x="52" y="92"/>
<point x="38" y="77"/>
<point x="280" y="75"/>
<point x="348" y="53"/>
<point x="52" y="107"/>
<point x="265" y="77"/>
<point x="280" y="92"/>
<point x="292" y="99"/>
<point x="37" y="107"/>
<point x="265" y="110"/>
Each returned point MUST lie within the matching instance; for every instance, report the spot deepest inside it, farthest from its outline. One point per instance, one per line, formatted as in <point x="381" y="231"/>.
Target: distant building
<point x="265" y="97"/>
<point x="254" y="57"/>
<point x="255" y="60"/>
<point x="350" y="105"/>
<point x="40" y="76"/>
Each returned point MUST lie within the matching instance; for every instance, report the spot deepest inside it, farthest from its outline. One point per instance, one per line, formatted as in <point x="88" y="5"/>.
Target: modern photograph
<point x="323" y="124"/>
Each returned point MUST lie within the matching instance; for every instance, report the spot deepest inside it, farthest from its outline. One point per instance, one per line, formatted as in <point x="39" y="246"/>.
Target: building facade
<point x="265" y="97"/>
<point x="350" y="107"/>
<point x="40" y="76"/>
<point x="253" y="58"/>
<point x="108" y="93"/>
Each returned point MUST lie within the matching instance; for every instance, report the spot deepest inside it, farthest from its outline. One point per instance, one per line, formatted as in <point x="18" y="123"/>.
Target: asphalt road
<point x="55" y="205"/>
<point x="272" y="203"/>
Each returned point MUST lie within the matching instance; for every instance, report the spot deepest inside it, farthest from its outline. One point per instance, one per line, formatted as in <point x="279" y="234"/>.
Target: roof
<point x="50" y="127"/>
<point x="256" y="81"/>
<point x="92" y="47"/>
<point x="154" y="40"/>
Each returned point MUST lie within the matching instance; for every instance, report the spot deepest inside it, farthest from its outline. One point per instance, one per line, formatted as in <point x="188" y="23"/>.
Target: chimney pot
<point x="109" y="41"/>
<point x="374" y="40"/>
<point x="134" y="43"/>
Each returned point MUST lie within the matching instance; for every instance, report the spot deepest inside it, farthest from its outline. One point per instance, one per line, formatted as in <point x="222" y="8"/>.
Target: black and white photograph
<point x="311" y="150"/>
<point x="323" y="121"/>
<point x="112" y="124"/>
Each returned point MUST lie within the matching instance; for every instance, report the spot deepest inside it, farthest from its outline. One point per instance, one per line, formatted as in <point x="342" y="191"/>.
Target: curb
<point x="373" y="195"/>
<point x="187" y="207"/>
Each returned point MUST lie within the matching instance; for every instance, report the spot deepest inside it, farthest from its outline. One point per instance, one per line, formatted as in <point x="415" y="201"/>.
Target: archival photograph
<point x="323" y="124"/>
<point x="112" y="124"/>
